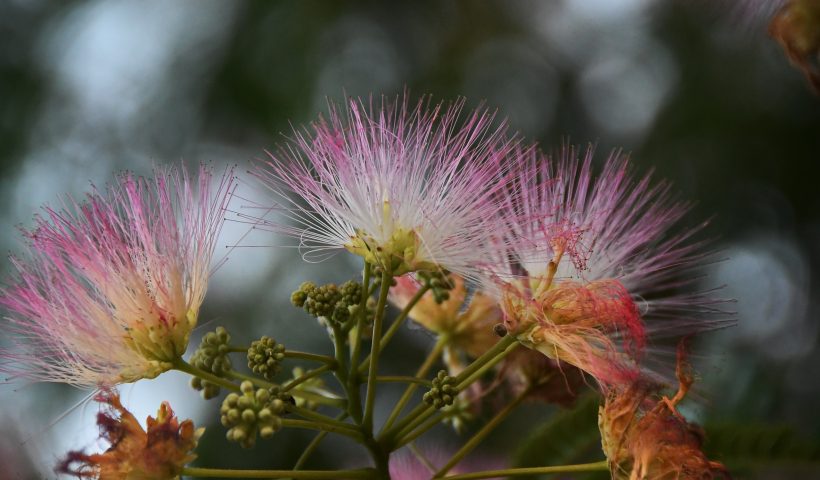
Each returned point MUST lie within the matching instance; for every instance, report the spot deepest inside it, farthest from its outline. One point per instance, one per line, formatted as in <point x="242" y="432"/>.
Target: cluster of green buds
<point x="334" y="303"/>
<point x="212" y="357"/>
<point x="444" y="391"/>
<point x="439" y="282"/>
<point x="254" y="411"/>
<point x="265" y="357"/>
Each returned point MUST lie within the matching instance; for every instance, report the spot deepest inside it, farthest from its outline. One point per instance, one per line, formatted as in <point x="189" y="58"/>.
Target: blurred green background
<point x="693" y="90"/>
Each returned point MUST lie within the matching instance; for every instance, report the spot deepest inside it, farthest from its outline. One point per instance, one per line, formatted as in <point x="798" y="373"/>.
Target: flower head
<point x="595" y="273"/>
<point x="157" y="453"/>
<point x="407" y="188"/>
<point x="649" y="439"/>
<point x="112" y="286"/>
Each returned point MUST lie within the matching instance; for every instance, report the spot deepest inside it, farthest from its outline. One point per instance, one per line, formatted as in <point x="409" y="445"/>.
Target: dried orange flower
<point x="136" y="454"/>
<point x="797" y="28"/>
<point x="468" y="326"/>
<point x="645" y="439"/>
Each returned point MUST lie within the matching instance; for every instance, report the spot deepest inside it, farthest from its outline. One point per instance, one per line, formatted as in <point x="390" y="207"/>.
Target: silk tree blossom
<point x="601" y="276"/>
<point x="407" y="188"/>
<point x="111" y="286"/>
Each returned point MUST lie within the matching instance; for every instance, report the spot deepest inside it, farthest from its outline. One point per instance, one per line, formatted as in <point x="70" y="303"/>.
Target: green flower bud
<point x="443" y="392"/>
<point x="212" y="357"/>
<point x="264" y="357"/>
<point x="251" y="413"/>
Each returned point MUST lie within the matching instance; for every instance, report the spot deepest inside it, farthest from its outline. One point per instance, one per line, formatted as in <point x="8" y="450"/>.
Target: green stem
<point x="318" y="417"/>
<point x="370" y="400"/>
<point x="183" y="366"/>
<point x="481" y="434"/>
<point x="397" y="323"/>
<point x="477" y="373"/>
<point x="401" y="379"/>
<point x="601" y="466"/>
<point x="490" y="354"/>
<point x="432" y="422"/>
<point x="256" y="381"/>
<point x="314" y="444"/>
<point x="357" y="340"/>
<point x="473" y="371"/>
<point x="310" y="356"/>
<point x="434" y="354"/>
<point x="388" y="435"/>
<point x="307" y="474"/>
<point x="408" y="428"/>
<point x="307" y="424"/>
<point x="307" y="376"/>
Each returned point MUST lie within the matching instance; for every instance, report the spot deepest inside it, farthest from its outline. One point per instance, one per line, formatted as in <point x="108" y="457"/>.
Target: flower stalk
<point x="363" y="473"/>
<point x="601" y="466"/>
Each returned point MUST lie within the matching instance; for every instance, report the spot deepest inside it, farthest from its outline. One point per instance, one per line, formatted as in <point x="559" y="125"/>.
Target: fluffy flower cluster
<point x="112" y="286"/>
<point x="406" y="187"/>
<point x="594" y="274"/>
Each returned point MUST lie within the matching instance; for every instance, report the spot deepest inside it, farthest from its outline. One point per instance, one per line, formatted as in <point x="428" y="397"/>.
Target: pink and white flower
<point x="602" y="274"/>
<point x="111" y="286"/>
<point x="406" y="187"/>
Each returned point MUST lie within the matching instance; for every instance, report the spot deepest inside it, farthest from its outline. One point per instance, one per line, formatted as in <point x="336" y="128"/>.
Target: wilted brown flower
<point x="542" y="378"/>
<point x="796" y="26"/>
<point x="648" y="439"/>
<point x="468" y="326"/>
<point x="136" y="454"/>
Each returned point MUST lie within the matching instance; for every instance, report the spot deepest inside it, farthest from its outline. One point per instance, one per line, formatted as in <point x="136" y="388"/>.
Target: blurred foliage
<point x="745" y="447"/>
<point x="570" y="436"/>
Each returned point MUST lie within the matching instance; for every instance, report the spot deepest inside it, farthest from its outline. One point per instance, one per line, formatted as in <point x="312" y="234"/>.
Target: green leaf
<point x="569" y="436"/>
<point x="743" y="445"/>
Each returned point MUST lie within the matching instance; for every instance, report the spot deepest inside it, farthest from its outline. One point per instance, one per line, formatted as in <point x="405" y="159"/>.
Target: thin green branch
<point x="432" y="422"/>
<point x="307" y="424"/>
<point x="296" y="474"/>
<point x="183" y="366"/>
<point x="431" y="359"/>
<point x="307" y="376"/>
<point x="407" y="429"/>
<point x="473" y="371"/>
<point x="318" y="417"/>
<point x="481" y="434"/>
<point x="370" y="400"/>
<point x="490" y="363"/>
<point x="403" y="379"/>
<point x="310" y="356"/>
<point x="601" y="466"/>
<point x="314" y="444"/>
<point x="356" y="345"/>
<point x="490" y="354"/>
<point x="397" y="323"/>
<point x="388" y="435"/>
